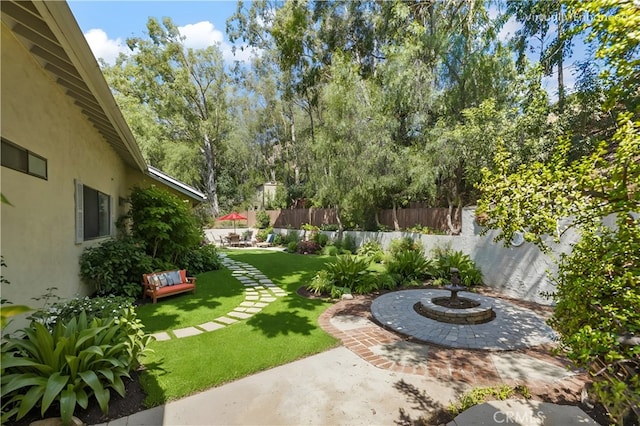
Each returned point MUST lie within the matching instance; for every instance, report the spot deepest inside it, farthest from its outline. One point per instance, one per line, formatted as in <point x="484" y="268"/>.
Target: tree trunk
<point x="453" y="229"/>
<point x="394" y="214"/>
<point x="210" y="181"/>
<point x="560" y="63"/>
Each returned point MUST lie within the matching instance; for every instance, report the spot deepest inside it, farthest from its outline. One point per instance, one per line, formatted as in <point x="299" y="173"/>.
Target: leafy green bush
<point x="116" y="266"/>
<point x="598" y="300"/>
<point x="321" y="283"/>
<point x="350" y="272"/>
<point x="202" y="259"/>
<point x="445" y="259"/>
<point x="292" y="247"/>
<point x="164" y="222"/>
<point x="331" y="227"/>
<point x="408" y="267"/>
<point x="292" y="236"/>
<point x="371" y="250"/>
<point x="78" y="360"/>
<point x="264" y="233"/>
<point x="398" y="245"/>
<point x="262" y="219"/>
<point x="330" y="250"/>
<point x="94" y="307"/>
<point x="321" y="239"/>
<point x="349" y="243"/>
<point x="308" y="247"/>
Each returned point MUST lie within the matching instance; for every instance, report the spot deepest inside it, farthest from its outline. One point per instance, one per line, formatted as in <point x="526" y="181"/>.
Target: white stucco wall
<point x="38" y="231"/>
<point x="521" y="272"/>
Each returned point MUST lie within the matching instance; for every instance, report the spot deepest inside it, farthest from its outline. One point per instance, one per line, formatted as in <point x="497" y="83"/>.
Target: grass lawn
<point x="284" y="331"/>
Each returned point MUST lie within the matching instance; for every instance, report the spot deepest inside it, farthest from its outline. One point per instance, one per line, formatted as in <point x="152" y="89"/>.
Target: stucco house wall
<point x="38" y="239"/>
<point x="38" y="230"/>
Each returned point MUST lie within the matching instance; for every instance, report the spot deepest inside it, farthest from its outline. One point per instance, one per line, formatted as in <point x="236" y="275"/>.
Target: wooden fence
<point x="434" y="218"/>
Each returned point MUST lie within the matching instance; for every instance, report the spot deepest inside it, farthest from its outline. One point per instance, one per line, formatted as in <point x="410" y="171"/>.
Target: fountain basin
<point x="479" y="314"/>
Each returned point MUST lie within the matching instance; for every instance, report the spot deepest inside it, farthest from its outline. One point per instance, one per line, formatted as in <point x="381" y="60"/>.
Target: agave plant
<point x="408" y="266"/>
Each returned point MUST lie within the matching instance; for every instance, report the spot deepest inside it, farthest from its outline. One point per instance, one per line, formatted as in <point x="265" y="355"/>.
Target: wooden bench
<point x="167" y="283"/>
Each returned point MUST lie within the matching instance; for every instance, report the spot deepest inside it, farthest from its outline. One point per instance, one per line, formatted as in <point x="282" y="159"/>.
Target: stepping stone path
<point x="259" y="292"/>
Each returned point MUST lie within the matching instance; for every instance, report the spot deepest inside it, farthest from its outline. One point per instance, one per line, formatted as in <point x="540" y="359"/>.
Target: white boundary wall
<point x="520" y="272"/>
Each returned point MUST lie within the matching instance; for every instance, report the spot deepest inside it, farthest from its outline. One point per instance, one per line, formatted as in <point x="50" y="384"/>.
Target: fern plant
<point x="409" y="267"/>
<point x="444" y="260"/>
<point x="350" y="272"/>
<point x="371" y="250"/>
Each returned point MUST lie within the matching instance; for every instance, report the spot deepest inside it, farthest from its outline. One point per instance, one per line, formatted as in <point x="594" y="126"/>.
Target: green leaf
<point x="30" y="399"/>
<point x="55" y="384"/>
<point x="67" y="404"/>
<point x="102" y="395"/>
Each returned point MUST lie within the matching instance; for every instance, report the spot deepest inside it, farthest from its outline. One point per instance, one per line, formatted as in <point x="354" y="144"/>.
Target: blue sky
<point x="107" y="24"/>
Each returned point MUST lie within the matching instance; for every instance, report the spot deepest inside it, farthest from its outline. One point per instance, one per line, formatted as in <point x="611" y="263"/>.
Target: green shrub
<point x="398" y="245"/>
<point x="115" y="266"/>
<point x="291" y="237"/>
<point x="330" y="251"/>
<point x="202" y="259"/>
<point x="321" y="239"/>
<point x="349" y="243"/>
<point x="598" y="301"/>
<point x="446" y="259"/>
<point x="321" y="283"/>
<point x="262" y="219"/>
<point x="264" y="233"/>
<point x="78" y="360"/>
<point x="164" y="222"/>
<point x="408" y="267"/>
<point x="350" y="272"/>
<point x="292" y="247"/>
<point x="278" y="240"/>
<point x="331" y="227"/>
<point x="308" y="247"/>
<point x="371" y="250"/>
<point x="94" y="307"/>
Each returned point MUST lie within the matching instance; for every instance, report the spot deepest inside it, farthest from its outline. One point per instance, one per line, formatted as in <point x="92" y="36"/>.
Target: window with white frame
<point x="93" y="213"/>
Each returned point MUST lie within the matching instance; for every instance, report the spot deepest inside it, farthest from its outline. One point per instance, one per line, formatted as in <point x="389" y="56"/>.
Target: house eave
<point x="49" y="31"/>
<point x="171" y="182"/>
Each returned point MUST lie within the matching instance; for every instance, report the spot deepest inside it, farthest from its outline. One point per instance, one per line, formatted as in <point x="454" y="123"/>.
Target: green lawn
<point x="284" y="331"/>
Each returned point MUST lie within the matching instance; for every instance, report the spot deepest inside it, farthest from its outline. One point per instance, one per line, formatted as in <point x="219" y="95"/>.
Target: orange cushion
<point x="183" y="275"/>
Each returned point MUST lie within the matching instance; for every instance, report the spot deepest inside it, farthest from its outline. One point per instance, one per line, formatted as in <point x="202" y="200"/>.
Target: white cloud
<point x="201" y="35"/>
<point x="204" y="34"/>
<point x="104" y="47"/>
<point x="197" y="36"/>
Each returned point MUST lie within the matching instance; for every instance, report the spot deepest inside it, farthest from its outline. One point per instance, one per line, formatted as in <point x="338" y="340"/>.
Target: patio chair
<point x="268" y="242"/>
<point x="234" y="240"/>
<point x="223" y="241"/>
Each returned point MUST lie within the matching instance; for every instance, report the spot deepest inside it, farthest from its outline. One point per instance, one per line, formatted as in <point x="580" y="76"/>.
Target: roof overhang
<point x="50" y="32"/>
<point x="181" y="187"/>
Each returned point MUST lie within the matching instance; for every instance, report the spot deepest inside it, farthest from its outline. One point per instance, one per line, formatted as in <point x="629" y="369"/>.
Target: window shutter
<point x="79" y="212"/>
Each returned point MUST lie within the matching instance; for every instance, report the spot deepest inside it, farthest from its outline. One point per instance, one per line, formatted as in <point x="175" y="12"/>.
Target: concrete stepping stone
<point x="514" y="366"/>
<point x="240" y="315"/>
<point x="211" y="326"/>
<point x="260" y="304"/>
<point x="226" y="320"/>
<point x="252" y="298"/>
<point x="268" y="299"/>
<point x="247" y="304"/>
<point x="186" y="332"/>
<point x="253" y="310"/>
<point x="161" y="336"/>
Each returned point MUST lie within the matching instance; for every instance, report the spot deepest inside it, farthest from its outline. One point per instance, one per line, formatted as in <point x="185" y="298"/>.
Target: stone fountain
<point x="455" y="309"/>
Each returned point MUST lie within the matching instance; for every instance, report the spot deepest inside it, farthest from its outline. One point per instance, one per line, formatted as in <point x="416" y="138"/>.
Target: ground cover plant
<point x="284" y="331"/>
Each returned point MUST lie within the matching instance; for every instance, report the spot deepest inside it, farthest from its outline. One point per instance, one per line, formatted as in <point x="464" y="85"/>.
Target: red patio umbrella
<point x="233" y="216"/>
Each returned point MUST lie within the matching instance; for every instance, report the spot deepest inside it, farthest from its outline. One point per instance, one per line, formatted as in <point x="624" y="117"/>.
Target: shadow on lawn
<point x="211" y="287"/>
<point x="285" y="323"/>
